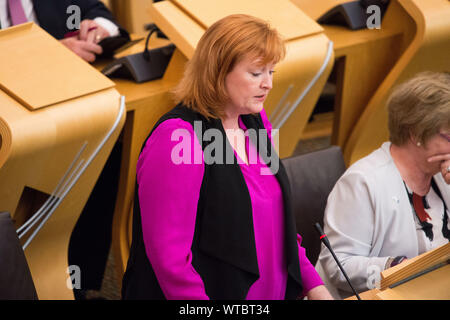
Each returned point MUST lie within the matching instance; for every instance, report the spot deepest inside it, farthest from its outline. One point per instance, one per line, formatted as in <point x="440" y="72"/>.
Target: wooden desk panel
<point x="425" y="46"/>
<point x="364" y="58"/>
<point x="290" y="22"/>
<point x="23" y="79"/>
<point x="434" y="285"/>
<point x="315" y="9"/>
<point x="361" y="66"/>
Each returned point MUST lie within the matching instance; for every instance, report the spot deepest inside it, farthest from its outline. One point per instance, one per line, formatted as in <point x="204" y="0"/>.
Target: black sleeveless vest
<point x="223" y="247"/>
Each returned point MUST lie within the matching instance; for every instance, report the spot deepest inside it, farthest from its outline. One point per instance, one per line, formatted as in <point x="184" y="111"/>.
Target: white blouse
<point x="369" y="219"/>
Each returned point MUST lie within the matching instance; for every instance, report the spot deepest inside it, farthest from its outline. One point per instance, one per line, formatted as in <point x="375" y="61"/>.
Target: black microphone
<point x="326" y="242"/>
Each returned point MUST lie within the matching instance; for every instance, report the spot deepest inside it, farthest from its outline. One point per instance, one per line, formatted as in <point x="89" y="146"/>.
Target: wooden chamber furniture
<point x="131" y="14"/>
<point x="414" y="37"/>
<point x="145" y="104"/>
<point x="363" y="58"/>
<point x="59" y="119"/>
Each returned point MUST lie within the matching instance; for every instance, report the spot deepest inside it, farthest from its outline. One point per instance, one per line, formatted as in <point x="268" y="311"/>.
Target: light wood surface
<point x="44" y="144"/>
<point x="321" y="126"/>
<point x="315" y="9"/>
<point x="131" y="14"/>
<point x="363" y="60"/>
<point x="38" y="145"/>
<point x="290" y="22"/>
<point x="434" y="285"/>
<point x="430" y="286"/>
<point x="174" y="22"/>
<point x="425" y="44"/>
<point x="419" y="282"/>
<point x="55" y="84"/>
<point x="306" y="52"/>
<point x="107" y="3"/>
<point x="305" y="57"/>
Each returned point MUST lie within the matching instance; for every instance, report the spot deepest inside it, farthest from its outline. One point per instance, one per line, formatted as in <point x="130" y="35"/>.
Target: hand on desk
<point x="84" y="43"/>
<point x="92" y="32"/>
<point x="84" y="49"/>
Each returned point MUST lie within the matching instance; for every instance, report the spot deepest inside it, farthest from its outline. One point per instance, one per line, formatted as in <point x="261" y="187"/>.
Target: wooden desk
<point x="424" y="46"/>
<point x="131" y="14"/>
<point x="59" y="119"/>
<point x="434" y="285"/>
<point x="425" y="277"/>
<point x="369" y="63"/>
<point x="363" y="58"/>
<point x="431" y="286"/>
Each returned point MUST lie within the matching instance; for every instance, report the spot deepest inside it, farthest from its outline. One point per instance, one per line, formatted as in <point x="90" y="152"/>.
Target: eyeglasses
<point x="445" y="136"/>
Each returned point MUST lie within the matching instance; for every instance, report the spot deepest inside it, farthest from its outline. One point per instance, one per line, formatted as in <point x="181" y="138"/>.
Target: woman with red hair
<point x="218" y="225"/>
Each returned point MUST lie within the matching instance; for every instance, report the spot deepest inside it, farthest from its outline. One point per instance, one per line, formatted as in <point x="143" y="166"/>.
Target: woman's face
<point x="439" y="144"/>
<point x="247" y="86"/>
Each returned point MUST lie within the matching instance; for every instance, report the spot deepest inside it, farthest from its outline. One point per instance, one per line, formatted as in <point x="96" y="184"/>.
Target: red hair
<point x="224" y="44"/>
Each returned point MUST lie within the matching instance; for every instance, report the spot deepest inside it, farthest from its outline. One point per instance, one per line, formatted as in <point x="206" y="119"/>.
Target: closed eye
<point x="256" y="74"/>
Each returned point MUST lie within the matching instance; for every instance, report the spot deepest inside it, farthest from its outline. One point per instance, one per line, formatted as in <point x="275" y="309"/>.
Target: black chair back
<point x="312" y="176"/>
<point x="16" y="282"/>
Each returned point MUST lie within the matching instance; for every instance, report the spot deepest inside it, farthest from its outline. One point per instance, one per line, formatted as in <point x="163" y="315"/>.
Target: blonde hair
<point x="224" y="44"/>
<point x="419" y="107"/>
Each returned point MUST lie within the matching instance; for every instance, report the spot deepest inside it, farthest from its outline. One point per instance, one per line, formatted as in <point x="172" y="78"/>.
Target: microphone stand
<point x="326" y="242"/>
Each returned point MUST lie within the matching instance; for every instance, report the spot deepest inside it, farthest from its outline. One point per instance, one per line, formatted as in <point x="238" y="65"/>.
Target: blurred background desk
<point x="363" y="58"/>
<point x="414" y="37"/>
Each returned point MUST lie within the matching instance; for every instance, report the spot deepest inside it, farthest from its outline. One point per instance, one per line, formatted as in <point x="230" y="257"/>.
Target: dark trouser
<point x="91" y="238"/>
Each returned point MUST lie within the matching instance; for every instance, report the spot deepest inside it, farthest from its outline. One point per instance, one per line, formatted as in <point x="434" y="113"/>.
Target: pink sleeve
<point x="168" y="197"/>
<point x="310" y="277"/>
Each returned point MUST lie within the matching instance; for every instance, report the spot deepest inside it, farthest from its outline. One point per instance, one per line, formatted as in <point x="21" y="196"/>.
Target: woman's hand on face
<point x="444" y="160"/>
